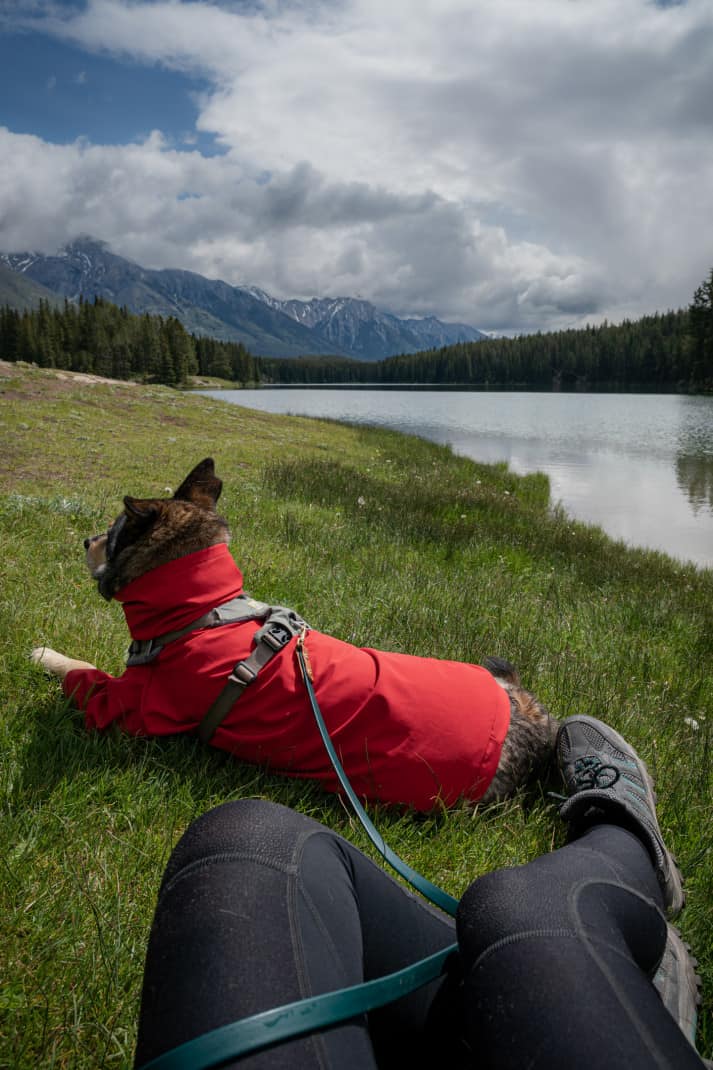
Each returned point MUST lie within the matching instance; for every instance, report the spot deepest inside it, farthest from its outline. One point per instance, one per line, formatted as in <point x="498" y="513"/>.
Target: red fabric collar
<point x="172" y="595"/>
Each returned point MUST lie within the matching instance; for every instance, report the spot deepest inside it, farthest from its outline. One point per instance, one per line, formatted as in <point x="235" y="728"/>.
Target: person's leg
<point x="559" y="954"/>
<point x="261" y="906"/>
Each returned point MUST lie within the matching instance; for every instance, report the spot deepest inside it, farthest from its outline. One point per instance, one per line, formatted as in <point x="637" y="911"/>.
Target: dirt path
<point x="8" y="370"/>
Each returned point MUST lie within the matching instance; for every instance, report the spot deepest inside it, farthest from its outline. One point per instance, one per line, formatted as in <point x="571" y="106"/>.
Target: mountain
<point x="21" y="293"/>
<point x="86" y="268"/>
<point x="347" y="327"/>
<point x="355" y="326"/>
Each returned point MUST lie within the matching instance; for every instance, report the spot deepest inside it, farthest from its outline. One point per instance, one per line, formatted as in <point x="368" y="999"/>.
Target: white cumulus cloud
<point x="512" y="165"/>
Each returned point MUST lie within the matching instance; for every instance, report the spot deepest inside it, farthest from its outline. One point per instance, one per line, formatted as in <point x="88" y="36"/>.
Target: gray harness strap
<point x="142" y="651"/>
<point x="281" y="625"/>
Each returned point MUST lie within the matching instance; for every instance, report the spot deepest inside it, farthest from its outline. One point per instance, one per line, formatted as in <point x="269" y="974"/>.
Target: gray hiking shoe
<point x="678" y="984"/>
<point x="605" y="778"/>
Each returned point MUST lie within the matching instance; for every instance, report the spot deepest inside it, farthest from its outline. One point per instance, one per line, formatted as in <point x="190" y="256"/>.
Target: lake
<point x="638" y="465"/>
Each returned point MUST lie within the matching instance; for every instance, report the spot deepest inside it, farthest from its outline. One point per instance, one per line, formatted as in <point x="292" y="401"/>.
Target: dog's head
<point x="152" y="531"/>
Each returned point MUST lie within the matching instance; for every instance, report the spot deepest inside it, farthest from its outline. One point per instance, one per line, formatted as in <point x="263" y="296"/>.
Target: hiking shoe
<point x="605" y="778"/>
<point x="678" y="984"/>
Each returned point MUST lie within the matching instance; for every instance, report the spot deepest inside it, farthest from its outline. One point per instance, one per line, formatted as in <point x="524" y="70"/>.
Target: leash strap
<point x="264" y="1030"/>
<point x="430" y="891"/>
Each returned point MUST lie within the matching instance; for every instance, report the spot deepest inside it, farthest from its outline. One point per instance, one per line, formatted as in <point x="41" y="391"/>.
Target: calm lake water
<point x="638" y="465"/>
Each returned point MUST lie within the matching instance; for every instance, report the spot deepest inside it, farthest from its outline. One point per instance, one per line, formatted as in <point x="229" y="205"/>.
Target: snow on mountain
<point x="340" y="326"/>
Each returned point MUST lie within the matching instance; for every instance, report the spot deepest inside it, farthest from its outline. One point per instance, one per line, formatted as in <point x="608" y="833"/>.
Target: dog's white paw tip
<point x="43" y="656"/>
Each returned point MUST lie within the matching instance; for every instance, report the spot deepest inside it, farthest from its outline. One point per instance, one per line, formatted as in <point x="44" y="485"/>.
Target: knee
<point x="496" y="906"/>
<point x="245" y="826"/>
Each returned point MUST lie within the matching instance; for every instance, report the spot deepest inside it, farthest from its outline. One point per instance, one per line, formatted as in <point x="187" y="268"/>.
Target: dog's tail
<point x="503" y="671"/>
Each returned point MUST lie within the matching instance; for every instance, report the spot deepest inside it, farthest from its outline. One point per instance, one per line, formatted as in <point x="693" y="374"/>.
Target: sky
<point x="517" y="165"/>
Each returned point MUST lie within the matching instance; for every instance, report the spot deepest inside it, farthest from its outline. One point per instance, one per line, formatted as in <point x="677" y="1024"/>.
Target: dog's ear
<point x="201" y="486"/>
<point x="140" y="513"/>
<point x="140" y="509"/>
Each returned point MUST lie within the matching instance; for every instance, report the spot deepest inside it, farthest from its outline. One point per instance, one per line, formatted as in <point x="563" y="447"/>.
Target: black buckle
<point x="142" y="651"/>
<point x="242" y="674"/>
<point x="276" y="636"/>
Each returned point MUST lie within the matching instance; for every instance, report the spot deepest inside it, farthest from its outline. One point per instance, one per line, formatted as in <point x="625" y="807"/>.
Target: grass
<point x="382" y="540"/>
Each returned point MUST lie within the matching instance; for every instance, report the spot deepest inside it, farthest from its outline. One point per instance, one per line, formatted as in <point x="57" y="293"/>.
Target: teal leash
<point x="261" y="1031"/>
<point x="264" y="1030"/>
<point x="430" y="891"/>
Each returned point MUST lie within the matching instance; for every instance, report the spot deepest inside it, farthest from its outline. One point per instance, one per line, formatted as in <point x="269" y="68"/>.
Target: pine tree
<point x="700" y="328"/>
<point x="182" y="361"/>
<point x="146" y="355"/>
<point x="10" y="339"/>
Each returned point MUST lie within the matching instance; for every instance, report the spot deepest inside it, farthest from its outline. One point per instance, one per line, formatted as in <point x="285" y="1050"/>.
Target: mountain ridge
<point x="268" y="326"/>
<point x="23" y="293"/>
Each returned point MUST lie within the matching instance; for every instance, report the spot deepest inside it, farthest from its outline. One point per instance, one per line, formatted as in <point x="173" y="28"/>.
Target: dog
<point x="419" y="732"/>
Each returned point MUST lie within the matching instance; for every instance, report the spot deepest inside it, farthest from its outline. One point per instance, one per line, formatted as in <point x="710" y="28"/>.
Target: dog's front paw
<point x="55" y="663"/>
<point x="48" y="659"/>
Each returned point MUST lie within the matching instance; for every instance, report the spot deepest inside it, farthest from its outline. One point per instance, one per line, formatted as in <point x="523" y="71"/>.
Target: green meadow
<point x="382" y="540"/>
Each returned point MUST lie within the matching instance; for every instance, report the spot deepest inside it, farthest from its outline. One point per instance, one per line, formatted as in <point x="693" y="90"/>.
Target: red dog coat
<point x="409" y="730"/>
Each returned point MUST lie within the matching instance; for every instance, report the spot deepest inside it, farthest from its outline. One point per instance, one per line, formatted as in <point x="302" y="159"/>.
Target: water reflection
<point x="694" y="453"/>
<point x="695" y="478"/>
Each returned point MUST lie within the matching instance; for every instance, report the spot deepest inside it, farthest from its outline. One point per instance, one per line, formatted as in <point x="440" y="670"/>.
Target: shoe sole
<point x="678" y="984"/>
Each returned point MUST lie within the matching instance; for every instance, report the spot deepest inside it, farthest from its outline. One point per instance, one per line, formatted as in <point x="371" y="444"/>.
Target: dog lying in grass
<point x="421" y="732"/>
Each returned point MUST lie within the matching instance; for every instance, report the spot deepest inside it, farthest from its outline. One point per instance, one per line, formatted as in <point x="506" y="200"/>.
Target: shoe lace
<point x="591" y="772"/>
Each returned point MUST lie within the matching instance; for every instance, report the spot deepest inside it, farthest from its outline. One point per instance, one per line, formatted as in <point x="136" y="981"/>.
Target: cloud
<point x="511" y="165"/>
<point x="297" y="235"/>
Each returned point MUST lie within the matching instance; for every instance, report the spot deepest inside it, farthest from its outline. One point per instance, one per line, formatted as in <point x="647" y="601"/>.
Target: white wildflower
<point x="692" y="723"/>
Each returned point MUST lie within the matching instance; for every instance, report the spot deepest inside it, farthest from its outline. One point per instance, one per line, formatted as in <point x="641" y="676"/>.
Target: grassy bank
<point x="380" y="539"/>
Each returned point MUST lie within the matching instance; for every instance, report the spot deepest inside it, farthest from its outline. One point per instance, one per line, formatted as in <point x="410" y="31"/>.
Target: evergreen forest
<point x="103" y="339"/>
<point x="671" y="351"/>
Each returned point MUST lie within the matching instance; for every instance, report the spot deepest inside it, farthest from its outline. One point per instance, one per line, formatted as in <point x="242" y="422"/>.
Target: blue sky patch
<point x="60" y="93"/>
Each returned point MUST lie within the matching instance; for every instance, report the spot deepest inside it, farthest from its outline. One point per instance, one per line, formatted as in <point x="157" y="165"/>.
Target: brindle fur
<point x="154" y="531"/>
<point x="529" y="743"/>
<point x="158" y="530"/>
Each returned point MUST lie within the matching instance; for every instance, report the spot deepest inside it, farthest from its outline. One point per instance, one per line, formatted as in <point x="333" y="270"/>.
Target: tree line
<point x="667" y="351"/>
<point x="657" y="352"/>
<point x="99" y="337"/>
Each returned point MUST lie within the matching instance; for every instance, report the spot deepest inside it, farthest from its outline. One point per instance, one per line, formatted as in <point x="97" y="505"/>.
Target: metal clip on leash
<point x="260" y="1031"/>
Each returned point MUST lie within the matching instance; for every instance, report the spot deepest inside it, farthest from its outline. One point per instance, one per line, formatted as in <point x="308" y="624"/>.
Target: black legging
<point x="261" y="906"/>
